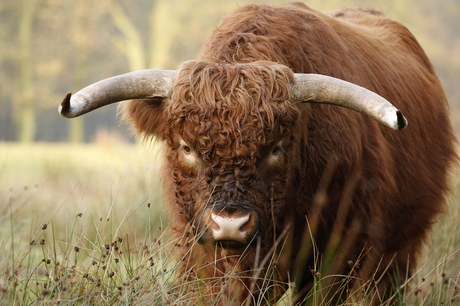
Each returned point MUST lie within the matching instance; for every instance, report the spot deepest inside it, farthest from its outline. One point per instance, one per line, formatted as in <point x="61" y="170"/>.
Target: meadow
<point x="85" y="225"/>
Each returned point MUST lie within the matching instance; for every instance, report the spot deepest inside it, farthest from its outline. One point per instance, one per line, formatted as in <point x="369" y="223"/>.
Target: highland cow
<point x="278" y="161"/>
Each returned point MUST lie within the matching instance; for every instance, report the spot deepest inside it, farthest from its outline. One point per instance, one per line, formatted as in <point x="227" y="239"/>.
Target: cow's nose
<point x="232" y="228"/>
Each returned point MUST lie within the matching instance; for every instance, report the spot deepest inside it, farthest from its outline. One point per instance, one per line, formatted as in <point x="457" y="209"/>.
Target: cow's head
<point x="231" y="132"/>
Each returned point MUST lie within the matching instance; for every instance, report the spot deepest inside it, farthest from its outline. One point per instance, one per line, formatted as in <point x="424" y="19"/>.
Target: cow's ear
<point x="147" y="116"/>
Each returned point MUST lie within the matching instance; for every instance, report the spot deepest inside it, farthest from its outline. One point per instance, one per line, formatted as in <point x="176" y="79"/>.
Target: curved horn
<point x="133" y="85"/>
<point x="324" y="89"/>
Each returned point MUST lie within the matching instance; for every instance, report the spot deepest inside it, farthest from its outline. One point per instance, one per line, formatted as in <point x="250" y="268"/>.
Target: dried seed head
<point x="148" y="205"/>
<point x="77" y="249"/>
<point x="80" y="215"/>
<point x="116" y="260"/>
<point x="120" y="240"/>
<point x="111" y="274"/>
<point x="32" y="242"/>
<point x="44" y="226"/>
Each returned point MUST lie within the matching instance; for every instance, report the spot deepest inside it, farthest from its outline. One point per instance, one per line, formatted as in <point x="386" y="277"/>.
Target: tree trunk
<point x="27" y="111"/>
<point x="160" y="34"/>
<point x="131" y="43"/>
<point x="76" y="132"/>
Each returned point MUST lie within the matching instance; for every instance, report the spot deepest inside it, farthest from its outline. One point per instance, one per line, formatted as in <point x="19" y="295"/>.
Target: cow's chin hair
<point x="231" y="245"/>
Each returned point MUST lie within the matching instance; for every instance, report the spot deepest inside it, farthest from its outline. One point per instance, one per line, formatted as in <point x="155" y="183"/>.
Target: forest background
<point x="50" y="47"/>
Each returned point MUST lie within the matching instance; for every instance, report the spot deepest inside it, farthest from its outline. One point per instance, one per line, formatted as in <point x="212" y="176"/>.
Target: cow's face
<point x="231" y="135"/>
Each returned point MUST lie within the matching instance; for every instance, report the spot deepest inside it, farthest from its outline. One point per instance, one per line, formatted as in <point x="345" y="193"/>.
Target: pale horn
<point x="134" y="85"/>
<point x="315" y="88"/>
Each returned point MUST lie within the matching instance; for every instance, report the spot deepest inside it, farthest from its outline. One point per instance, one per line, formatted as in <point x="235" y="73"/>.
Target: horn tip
<point x="64" y="107"/>
<point x="402" y="121"/>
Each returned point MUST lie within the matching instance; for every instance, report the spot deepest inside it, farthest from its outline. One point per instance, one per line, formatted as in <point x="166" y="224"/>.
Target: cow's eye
<point x="276" y="151"/>
<point x="185" y="147"/>
<point x="187" y="150"/>
<point x="188" y="156"/>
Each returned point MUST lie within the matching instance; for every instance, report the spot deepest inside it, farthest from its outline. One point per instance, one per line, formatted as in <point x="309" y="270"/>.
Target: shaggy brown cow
<point x="264" y="187"/>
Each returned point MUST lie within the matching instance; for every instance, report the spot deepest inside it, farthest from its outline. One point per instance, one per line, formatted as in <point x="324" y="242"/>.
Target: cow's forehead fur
<point x="230" y="111"/>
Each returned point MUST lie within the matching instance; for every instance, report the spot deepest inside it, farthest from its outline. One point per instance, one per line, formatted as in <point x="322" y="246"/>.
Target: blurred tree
<point x="160" y="39"/>
<point x="130" y="43"/>
<point x="25" y="97"/>
<point x="6" y="125"/>
<point x="81" y="42"/>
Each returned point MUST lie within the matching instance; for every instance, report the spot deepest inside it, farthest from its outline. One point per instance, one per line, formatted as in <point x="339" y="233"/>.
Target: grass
<point x="85" y="225"/>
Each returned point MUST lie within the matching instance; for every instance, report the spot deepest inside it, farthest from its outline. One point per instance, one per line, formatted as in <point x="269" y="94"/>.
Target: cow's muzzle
<point x="229" y="228"/>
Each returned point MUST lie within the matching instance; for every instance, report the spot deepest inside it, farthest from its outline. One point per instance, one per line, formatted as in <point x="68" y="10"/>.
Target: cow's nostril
<point x="231" y="228"/>
<point x="247" y="226"/>
<point x="214" y="225"/>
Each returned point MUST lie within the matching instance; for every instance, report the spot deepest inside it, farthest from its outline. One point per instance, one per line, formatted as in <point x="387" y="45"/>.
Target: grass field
<point x="85" y="225"/>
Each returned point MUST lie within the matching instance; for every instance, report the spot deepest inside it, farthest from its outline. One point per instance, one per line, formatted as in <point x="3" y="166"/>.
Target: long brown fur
<point x="233" y="105"/>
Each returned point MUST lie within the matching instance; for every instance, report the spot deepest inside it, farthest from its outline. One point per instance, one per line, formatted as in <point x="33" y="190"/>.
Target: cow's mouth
<point x="229" y="244"/>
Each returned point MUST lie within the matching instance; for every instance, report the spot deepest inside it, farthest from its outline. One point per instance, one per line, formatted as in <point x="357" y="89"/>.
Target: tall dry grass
<point x="85" y="225"/>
